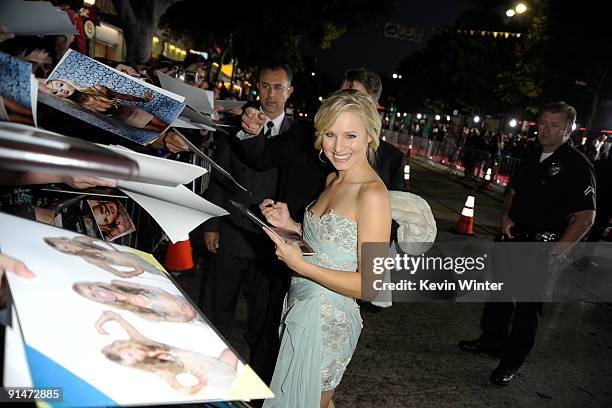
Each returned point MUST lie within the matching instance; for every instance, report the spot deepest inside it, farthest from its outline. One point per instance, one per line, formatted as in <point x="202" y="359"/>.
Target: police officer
<point x="552" y="198"/>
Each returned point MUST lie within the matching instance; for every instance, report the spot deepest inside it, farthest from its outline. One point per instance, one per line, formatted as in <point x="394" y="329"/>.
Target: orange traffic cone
<point x="465" y="225"/>
<point x="409" y="151"/>
<point x="406" y="177"/>
<point x="486" y="185"/>
<point x="178" y="256"/>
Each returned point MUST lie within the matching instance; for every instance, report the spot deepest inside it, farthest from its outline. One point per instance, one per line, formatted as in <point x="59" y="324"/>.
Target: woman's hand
<point x="290" y="253"/>
<point x="8" y="263"/>
<point x="106" y="316"/>
<point x="277" y="214"/>
<point x="202" y="382"/>
<point x="80" y="182"/>
<point x="148" y="95"/>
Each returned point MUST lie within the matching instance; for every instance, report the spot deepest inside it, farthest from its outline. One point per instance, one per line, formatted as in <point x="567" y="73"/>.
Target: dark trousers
<point x="513" y="327"/>
<point x="264" y="286"/>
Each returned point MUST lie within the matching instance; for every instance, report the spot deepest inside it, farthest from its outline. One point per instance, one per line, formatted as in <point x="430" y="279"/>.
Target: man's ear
<point x="289" y="90"/>
<point x="568" y="132"/>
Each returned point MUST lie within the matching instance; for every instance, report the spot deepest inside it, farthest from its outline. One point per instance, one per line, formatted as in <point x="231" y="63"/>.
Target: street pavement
<point x="408" y="356"/>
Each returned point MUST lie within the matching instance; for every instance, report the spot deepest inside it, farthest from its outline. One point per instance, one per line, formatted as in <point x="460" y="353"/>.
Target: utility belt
<point x="528" y="236"/>
<point x="543" y="236"/>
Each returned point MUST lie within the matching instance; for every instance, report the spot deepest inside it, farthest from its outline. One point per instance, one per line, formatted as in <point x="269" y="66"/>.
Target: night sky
<point x="369" y="47"/>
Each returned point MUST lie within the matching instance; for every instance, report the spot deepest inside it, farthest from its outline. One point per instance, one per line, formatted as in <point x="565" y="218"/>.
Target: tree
<point x="274" y="29"/>
<point x="140" y="19"/>
<point x="565" y="56"/>
<point x="456" y="71"/>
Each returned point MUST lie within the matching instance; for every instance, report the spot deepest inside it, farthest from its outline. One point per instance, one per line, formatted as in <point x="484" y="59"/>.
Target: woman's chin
<point x="341" y="165"/>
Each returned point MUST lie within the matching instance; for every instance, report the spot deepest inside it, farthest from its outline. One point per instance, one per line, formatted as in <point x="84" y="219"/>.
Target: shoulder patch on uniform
<point x="589" y="190"/>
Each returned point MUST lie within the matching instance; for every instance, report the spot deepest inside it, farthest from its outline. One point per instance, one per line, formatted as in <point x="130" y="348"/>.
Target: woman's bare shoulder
<point x="373" y="194"/>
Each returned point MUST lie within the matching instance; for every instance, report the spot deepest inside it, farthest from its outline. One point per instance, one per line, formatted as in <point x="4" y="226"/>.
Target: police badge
<point x="555" y="168"/>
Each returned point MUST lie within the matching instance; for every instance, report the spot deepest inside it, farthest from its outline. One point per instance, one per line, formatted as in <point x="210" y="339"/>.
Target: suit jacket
<point x="301" y="175"/>
<point x="389" y="164"/>
<point x="237" y="234"/>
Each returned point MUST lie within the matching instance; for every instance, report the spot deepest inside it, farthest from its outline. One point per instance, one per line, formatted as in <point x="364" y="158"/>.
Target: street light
<point x="394" y="76"/>
<point x="521" y="8"/>
<point x="320" y="99"/>
<point x="510" y="13"/>
<point x="512" y="123"/>
<point x="476" y="119"/>
<point x="312" y="73"/>
<point x="399" y="76"/>
<point x="399" y="114"/>
<point x="437" y="117"/>
<point x="447" y="118"/>
<point x="419" y="116"/>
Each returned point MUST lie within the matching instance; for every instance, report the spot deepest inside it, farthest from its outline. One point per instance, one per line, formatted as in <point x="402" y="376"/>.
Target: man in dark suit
<point x="242" y="253"/>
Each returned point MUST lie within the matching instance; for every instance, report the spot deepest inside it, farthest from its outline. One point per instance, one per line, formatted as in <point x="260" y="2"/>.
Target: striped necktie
<point x="269" y="126"/>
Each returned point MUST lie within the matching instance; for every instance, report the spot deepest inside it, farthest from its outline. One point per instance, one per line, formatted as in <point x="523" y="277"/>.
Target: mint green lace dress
<point x="319" y="327"/>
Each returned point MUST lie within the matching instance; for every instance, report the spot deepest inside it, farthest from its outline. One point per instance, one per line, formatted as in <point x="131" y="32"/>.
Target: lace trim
<point x="335" y="338"/>
<point x="336" y="229"/>
<point x="327" y="261"/>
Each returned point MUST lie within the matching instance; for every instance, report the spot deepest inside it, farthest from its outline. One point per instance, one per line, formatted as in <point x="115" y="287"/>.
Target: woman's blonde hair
<point x="78" y="87"/>
<point x="80" y="90"/>
<point x="154" y="364"/>
<point x="349" y="100"/>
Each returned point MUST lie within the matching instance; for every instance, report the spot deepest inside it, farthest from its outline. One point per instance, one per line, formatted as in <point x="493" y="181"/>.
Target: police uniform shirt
<point x="548" y="193"/>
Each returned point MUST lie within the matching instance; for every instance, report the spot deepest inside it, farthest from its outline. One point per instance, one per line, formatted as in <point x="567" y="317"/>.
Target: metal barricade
<point x="199" y="185"/>
<point x="474" y="163"/>
<point x="506" y="168"/>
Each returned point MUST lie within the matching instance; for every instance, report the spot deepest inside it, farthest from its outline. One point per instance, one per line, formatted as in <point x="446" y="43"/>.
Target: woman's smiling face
<point x="345" y="143"/>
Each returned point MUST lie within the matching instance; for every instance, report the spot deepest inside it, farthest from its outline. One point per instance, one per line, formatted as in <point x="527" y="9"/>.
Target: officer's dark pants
<point x="264" y="288"/>
<point x="513" y="327"/>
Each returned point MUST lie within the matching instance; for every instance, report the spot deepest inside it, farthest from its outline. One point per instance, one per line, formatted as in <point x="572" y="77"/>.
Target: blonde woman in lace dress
<point x="321" y="321"/>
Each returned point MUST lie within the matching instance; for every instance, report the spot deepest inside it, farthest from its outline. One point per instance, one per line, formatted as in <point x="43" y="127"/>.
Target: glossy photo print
<point x="17" y="96"/>
<point x="104" y="97"/>
<point x="112" y="219"/>
<point x="108" y="325"/>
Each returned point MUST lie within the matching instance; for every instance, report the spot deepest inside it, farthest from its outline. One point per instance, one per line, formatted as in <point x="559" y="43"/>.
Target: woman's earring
<point x="320" y="152"/>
